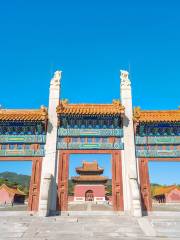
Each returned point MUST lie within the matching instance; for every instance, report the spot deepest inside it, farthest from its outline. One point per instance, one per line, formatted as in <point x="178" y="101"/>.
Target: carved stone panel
<point x="63" y="182"/>
<point x="34" y="189"/>
<point x="117" y="187"/>
<point x="145" y="185"/>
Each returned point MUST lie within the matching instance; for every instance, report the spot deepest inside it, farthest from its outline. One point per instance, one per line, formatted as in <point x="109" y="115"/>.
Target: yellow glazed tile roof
<point x="24" y="114"/>
<point x="89" y="166"/>
<point x="156" y="115"/>
<point x="12" y="191"/>
<point x="115" y="108"/>
<point x="90" y="178"/>
<point x="161" y="190"/>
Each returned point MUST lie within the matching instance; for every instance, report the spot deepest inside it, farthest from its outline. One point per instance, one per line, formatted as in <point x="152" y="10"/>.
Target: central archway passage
<point x="63" y="171"/>
<point x="89" y="195"/>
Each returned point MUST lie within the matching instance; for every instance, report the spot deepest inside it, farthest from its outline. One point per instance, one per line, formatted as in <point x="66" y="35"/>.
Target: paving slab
<point x="84" y="227"/>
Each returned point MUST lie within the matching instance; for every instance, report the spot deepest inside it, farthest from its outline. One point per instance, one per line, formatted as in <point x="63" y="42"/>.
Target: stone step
<point x="168" y="214"/>
<point x="70" y="227"/>
<point x="99" y="227"/>
<point x="166" y="226"/>
<point x="170" y="221"/>
<point x="91" y="213"/>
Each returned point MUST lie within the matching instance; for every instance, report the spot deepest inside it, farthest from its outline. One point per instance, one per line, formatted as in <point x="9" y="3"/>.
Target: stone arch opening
<point x="63" y="176"/>
<point x="34" y="188"/>
<point x="145" y="184"/>
<point x="89" y="195"/>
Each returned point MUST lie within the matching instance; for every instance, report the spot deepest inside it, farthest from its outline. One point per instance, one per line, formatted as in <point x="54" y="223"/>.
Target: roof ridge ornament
<point x="137" y="114"/>
<point x="115" y="108"/>
<point x="64" y="101"/>
<point x="56" y="80"/>
<point x="125" y="81"/>
<point x="116" y="102"/>
<point x="43" y="110"/>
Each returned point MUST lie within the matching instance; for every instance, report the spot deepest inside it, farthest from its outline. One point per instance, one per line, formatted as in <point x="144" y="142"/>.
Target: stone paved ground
<point x="20" y="207"/>
<point x="95" y="207"/>
<point x="69" y="228"/>
<point x="166" y="223"/>
<point x="81" y="227"/>
<point x="166" y="207"/>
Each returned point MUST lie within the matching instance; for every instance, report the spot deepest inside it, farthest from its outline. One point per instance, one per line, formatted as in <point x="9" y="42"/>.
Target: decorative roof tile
<point x="115" y="108"/>
<point x="24" y="114"/>
<point x="161" y="190"/>
<point x="89" y="178"/>
<point x="89" y="167"/>
<point x="156" y="115"/>
<point x="89" y="172"/>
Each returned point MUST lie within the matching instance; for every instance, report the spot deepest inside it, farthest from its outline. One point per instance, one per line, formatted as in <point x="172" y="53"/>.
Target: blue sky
<point x="104" y="161"/>
<point x="90" y="41"/>
<point x="164" y="172"/>
<point x="159" y="172"/>
<point x="16" y="166"/>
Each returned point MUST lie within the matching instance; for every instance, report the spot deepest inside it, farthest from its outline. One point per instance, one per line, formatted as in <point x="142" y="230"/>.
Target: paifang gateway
<point x="47" y="138"/>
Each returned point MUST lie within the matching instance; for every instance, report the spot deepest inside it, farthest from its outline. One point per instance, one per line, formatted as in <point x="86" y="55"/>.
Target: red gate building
<point x="90" y="185"/>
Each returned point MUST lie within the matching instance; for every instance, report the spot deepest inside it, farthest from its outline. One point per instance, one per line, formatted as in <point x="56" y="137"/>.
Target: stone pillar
<point x="132" y="192"/>
<point x="49" y="164"/>
<point x="45" y="195"/>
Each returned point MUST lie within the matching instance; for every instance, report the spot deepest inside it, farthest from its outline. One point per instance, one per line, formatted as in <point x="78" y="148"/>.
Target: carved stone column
<point x="46" y="195"/>
<point x="50" y="160"/>
<point x="129" y="158"/>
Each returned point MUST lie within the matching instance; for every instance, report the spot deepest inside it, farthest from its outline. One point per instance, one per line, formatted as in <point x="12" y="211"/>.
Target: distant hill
<point x="20" y="179"/>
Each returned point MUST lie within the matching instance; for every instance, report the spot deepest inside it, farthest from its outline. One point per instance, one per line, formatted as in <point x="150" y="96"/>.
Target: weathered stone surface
<point x="80" y="227"/>
<point x="164" y="225"/>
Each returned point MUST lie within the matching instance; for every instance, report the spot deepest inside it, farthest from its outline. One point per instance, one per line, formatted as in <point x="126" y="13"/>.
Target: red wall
<point x="5" y="196"/>
<point x="173" y="196"/>
<point x="70" y="198"/>
<point x="80" y="190"/>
